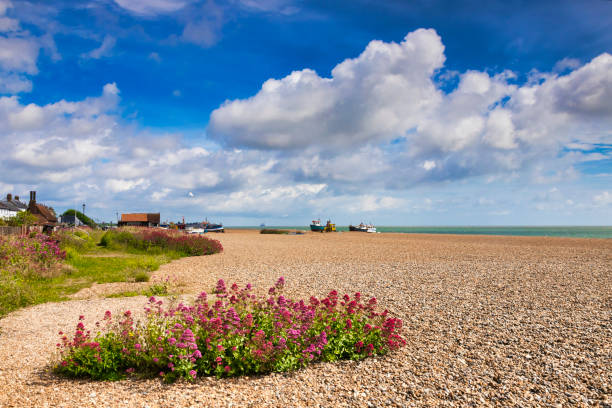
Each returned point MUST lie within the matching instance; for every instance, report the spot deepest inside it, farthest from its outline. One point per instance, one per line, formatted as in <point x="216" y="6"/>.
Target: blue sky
<point x="278" y="111"/>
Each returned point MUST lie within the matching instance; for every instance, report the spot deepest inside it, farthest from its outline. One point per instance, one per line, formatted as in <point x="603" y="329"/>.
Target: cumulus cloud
<point x="386" y="102"/>
<point x="373" y="97"/>
<point x="354" y="141"/>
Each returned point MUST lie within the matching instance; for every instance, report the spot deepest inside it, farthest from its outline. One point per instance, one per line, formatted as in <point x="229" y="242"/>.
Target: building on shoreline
<point x="140" y="220"/>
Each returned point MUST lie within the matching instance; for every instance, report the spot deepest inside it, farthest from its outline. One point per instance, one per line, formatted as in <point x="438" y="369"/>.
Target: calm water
<point x="575" y="232"/>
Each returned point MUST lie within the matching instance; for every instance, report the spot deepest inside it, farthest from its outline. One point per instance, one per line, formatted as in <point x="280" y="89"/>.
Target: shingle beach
<point x="489" y="321"/>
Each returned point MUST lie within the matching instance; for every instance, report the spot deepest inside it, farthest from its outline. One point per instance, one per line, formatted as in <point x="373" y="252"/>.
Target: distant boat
<point x="210" y="227"/>
<point x="363" y="228"/>
<point x="316" y="226"/>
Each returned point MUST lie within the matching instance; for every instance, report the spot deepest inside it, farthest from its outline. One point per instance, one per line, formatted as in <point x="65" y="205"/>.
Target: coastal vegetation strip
<point x="39" y="268"/>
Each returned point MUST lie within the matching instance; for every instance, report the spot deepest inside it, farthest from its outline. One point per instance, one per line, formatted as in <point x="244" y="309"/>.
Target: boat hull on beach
<point x="363" y="228"/>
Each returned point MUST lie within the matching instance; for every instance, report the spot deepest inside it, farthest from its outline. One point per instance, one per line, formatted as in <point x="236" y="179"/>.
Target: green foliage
<point x="141" y="276"/>
<point x="22" y="218"/>
<point x="273" y="231"/>
<point x="158" y="289"/>
<point x="82" y="217"/>
<point x="154" y="241"/>
<point x="79" y="241"/>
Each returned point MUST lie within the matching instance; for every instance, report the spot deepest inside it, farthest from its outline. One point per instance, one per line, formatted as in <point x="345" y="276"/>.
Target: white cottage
<point x="11" y="206"/>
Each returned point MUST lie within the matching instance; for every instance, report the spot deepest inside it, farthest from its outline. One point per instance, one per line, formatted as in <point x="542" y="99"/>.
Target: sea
<point x="540" y="231"/>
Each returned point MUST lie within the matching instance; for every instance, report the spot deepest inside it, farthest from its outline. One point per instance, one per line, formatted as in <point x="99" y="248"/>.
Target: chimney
<point x="16" y="198"/>
<point x="33" y="196"/>
<point x="9" y="197"/>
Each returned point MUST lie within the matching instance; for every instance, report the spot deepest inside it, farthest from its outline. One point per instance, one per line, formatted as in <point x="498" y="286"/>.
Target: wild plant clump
<point x="154" y="240"/>
<point x="25" y="259"/>
<point x="75" y="241"/>
<point x="37" y="254"/>
<point x="234" y="333"/>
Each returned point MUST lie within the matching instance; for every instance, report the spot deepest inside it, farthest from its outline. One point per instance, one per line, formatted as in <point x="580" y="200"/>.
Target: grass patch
<point x="158" y="289"/>
<point x="127" y="293"/>
<point x="42" y="269"/>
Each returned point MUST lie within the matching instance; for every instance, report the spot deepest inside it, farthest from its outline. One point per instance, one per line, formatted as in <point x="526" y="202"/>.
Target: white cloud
<point x="14" y="83"/>
<point x="7" y="24"/>
<point x="500" y="130"/>
<point x="204" y="28"/>
<point x="160" y="195"/>
<point x="277" y="6"/>
<point x="429" y="165"/>
<point x="152" y="7"/>
<point x="121" y="185"/>
<point x="370" y="203"/>
<point x="259" y="200"/>
<point x="30" y="117"/>
<point x="104" y="50"/>
<point x="19" y="54"/>
<point x="565" y="64"/>
<point x="344" y="128"/>
<point x="374" y="97"/>
<point x="604" y="198"/>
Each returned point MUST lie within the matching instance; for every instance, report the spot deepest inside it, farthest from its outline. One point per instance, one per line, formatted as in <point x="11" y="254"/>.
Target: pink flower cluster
<point x="38" y="254"/>
<point x="238" y="333"/>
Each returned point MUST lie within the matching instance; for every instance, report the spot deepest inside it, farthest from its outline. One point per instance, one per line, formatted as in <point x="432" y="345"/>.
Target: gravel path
<point x="500" y="321"/>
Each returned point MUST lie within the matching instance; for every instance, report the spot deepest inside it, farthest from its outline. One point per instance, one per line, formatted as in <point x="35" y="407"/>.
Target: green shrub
<point x="273" y="231"/>
<point x="79" y="240"/>
<point x="141" y="276"/>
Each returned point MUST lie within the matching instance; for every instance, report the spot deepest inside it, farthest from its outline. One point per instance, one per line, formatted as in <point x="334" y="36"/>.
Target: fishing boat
<point x="316" y="226"/>
<point x="363" y="228"/>
<point x="210" y="227"/>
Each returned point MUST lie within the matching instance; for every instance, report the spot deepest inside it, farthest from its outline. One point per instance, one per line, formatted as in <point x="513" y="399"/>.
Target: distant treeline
<point x="82" y="217"/>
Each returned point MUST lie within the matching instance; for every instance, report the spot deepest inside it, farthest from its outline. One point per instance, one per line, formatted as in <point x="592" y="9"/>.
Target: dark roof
<point x="43" y="213"/>
<point x="20" y="204"/>
<point x="10" y="205"/>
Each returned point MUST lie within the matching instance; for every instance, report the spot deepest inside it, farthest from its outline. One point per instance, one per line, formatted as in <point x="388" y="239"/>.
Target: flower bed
<point x="31" y="255"/>
<point x="235" y="333"/>
<point x="149" y="239"/>
<point x="23" y="260"/>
